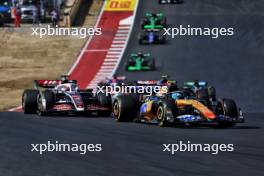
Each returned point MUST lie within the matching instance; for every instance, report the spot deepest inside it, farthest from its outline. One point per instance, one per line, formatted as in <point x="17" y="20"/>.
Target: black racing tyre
<point x="49" y="97"/>
<point x="129" y="63"/>
<point x="163" y="22"/>
<point x="125" y="108"/>
<point x="143" y="23"/>
<point x="229" y="109"/>
<point x="87" y="92"/>
<point x="29" y="101"/>
<point x="126" y="66"/>
<point x="161" y="112"/>
<point x="104" y="100"/>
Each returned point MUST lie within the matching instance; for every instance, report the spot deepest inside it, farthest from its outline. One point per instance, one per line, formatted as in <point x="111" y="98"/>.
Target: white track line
<point x="113" y="52"/>
<point x="112" y="56"/>
<point x="121" y="35"/>
<point x="111" y="60"/>
<point x="97" y="50"/>
<point x="105" y="71"/>
<point x="120" y="38"/>
<point x="124" y="27"/>
<point x="88" y="42"/>
<point x="116" y="51"/>
<point x="122" y="32"/>
<point x="109" y="63"/>
<point x="119" y="42"/>
<point x="129" y="35"/>
<point x="117" y="46"/>
<point x="106" y="68"/>
<point x="15" y="109"/>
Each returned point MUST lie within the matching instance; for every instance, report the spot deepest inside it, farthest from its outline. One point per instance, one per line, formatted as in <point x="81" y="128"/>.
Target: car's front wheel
<point x="162" y="114"/>
<point x="229" y="109"/>
<point x="29" y="101"/>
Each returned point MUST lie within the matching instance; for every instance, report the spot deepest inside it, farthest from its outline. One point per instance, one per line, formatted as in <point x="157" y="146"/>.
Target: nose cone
<point x="209" y="115"/>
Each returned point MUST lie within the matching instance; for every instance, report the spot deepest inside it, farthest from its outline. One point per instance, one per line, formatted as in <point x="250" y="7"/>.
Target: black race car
<point x="62" y="97"/>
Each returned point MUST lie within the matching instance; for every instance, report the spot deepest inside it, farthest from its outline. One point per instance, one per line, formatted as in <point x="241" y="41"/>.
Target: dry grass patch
<point x="25" y="58"/>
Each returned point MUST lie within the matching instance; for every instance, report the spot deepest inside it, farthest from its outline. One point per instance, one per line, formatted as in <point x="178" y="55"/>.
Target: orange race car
<point x="178" y="107"/>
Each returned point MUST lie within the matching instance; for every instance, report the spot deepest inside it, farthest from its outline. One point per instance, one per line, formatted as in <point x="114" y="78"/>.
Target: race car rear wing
<point x="192" y="83"/>
<point x="153" y="30"/>
<point x="136" y="55"/>
<point x="47" y="83"/>
<point x="148" y="82"/>
<point x="121" y="77"/>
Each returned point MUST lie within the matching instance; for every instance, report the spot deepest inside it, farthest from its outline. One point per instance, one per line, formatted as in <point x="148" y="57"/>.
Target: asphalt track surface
<point x="232" y="64"/>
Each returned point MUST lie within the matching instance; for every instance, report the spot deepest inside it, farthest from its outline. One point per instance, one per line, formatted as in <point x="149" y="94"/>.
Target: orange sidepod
<point x="206" y="112"/>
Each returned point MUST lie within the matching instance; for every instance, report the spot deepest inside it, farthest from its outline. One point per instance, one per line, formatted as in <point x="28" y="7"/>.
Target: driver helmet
<point x="140" y="53"/>
<point x="164" y="79"/>
<point x="196" y="86"/>
<point x="177" y="95"/>
<point x="65" y="88"/>
<point x="64" y="78"/>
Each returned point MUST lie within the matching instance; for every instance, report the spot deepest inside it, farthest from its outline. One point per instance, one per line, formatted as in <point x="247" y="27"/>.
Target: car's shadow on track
<point x="178" y="126"/>
<point x="218" y="128"/>
<point x="63" y="116"/>
<point x="204" y="127"/>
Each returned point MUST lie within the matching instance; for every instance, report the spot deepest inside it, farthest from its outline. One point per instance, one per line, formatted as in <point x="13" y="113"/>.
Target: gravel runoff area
<point x="25" y="58"/>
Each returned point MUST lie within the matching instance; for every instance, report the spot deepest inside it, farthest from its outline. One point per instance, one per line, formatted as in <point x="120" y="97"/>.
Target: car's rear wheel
<point x="45" y="102"/>
<point x="163" y="22"/>
<point x="124" y="108"/>
<point x="104" y="101"/>
<point x="29" y="101"/>
<point x="144" y="22"/>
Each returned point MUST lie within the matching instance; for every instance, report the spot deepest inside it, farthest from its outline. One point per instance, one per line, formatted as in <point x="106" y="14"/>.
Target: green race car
<point x="154" y="21"/>
<point x="140" y="62"/>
